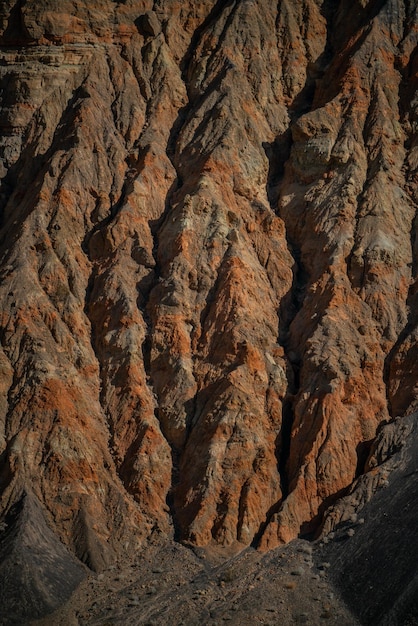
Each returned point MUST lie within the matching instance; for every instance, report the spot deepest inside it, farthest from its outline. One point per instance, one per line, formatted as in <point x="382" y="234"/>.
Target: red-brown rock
<point x="208" y="262"/>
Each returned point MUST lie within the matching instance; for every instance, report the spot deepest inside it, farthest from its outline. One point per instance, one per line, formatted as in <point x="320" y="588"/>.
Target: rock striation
<point x="208" y="262"/>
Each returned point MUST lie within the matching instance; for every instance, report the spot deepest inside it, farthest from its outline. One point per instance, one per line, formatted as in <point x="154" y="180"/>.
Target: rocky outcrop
<point x="208" y="262"/>
<point x="371" y="550"/>
<point x="389" y="452"/>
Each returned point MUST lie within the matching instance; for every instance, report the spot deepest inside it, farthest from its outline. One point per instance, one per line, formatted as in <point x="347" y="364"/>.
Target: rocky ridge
<point x="208" y="263"/>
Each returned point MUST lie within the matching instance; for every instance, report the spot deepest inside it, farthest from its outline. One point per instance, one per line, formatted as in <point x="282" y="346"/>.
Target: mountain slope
<point x="208" y="262"/>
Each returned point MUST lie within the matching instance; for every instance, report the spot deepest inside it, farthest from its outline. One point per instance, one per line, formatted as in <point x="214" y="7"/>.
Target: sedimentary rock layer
<point x="208" y="261"/>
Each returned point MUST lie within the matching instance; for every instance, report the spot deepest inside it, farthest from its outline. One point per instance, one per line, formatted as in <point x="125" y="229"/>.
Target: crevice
<point x="242" y="507"/>
<point x="290" y="307"/>
<point x="214" y="14"/>
<point x="155" y="227"/>
<point x="356" y="275"/>
<point x="174" y="483"/>
<point x="329" y="10"/>
<point x="407" y="330"/>
<point x="304" y="101"/>
<point x="29" y="171"/>
<point x="102" y="376"/>
<point x="278" y="154"/>
<point x="186" y="62"/>
<point x="16" y="33"/>
<point x="186" y="111"/>
<point x="234" y="5"/>
<point x="272" y="511"/>
<point x="285" y="439"/>
<point x="329" y="69"/>
<point x="221" y="513"/>
<point x="311" y="529"/>
<point x="362" y="452"/>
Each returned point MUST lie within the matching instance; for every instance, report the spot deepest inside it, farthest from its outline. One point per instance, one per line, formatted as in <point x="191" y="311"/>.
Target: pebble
<point x="297" y="572"/>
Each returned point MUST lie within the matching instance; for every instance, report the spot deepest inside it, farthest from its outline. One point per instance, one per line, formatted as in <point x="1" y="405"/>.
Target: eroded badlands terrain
<point x="208" y="306"/>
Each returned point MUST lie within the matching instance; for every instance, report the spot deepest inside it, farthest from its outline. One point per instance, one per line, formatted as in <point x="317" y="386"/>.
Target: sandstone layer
<point x="208" y="262"/>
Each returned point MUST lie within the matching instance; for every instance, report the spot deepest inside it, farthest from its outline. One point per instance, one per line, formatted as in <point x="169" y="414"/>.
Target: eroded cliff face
<point x="208" y="258"/>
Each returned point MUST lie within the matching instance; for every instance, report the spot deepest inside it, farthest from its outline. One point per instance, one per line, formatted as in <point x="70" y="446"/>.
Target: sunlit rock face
<point x="208" y="262"/>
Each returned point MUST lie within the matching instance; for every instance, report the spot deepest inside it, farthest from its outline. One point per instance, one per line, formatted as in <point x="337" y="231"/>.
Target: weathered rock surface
<point x="208" y="262"/>
<point x="37" y="572"/>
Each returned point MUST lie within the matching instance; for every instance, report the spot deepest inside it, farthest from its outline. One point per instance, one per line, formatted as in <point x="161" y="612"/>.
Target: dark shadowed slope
<point x="373" y="555"/>
<point x="37" y="572"/>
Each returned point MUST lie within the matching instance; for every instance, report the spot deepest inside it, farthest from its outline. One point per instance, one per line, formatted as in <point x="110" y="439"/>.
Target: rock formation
<point x="208" y="262"/>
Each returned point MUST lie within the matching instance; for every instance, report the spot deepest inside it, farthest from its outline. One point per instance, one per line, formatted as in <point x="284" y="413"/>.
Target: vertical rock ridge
<point x="309" y="144"/>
